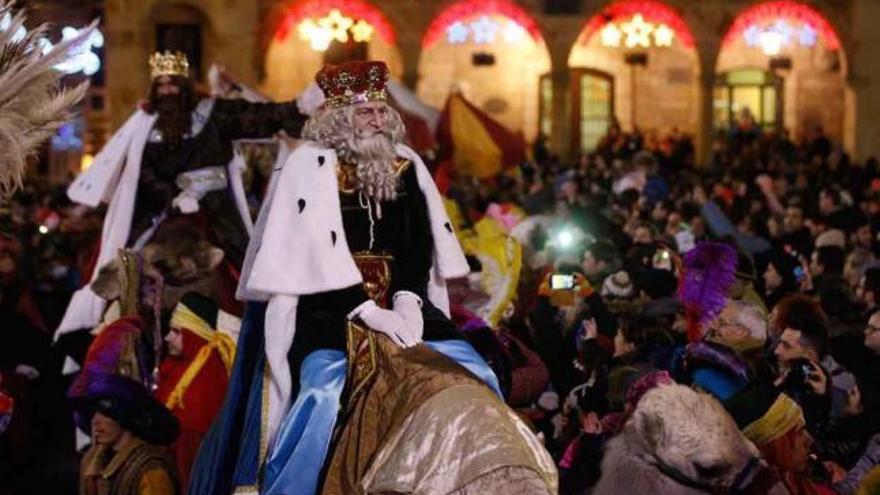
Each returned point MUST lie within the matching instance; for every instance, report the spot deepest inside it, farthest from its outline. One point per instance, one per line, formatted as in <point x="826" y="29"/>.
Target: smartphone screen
<point x="561" y="282"/>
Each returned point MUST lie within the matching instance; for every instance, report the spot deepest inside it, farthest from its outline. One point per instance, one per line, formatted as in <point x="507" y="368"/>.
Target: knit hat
<point x="833" y="237"/>
<point x="645" y="383"/>
<point x="638" y="382"/>
<point x="618" y="285"/>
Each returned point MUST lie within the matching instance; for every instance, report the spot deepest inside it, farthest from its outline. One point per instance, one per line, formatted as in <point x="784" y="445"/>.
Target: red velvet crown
<point x="353" y="82"/>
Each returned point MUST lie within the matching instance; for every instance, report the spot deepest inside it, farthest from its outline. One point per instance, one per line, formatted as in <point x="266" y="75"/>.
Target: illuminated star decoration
<point x="807" y="36"/>
<point x="663" y="35"/>
<point x="321" y="39"/>
<point x="752" y="35"/>
<point x="6" y="21"/>
<point x="779" y="34"/>
<point x="362" y="31"/>
<point x="318" y="37"/>
<point x="785" y="31"/>
<point x="513" y="32"/>
<point x="82" y="59"/>
<point x="484" y="30"/>
<point x="610" y="35"/>
<point x="337" y="25"/>
<point x="637" y="32"/>
<point x="457" y="33"/>
<point x="306" y="28"/>
<point x="771" y="42"/>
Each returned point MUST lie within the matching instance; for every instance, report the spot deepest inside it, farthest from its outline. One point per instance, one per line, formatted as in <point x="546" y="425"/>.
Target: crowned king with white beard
<point x="374" y="155"/>
<point x="351" y="195"/>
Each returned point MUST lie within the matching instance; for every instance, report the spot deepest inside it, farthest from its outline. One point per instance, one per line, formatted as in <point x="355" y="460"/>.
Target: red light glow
<point x="651" y="10"/>
<point x="356" y="9"/>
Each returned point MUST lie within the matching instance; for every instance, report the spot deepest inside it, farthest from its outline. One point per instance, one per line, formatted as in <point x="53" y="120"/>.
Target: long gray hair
<point x="374" y="156"/>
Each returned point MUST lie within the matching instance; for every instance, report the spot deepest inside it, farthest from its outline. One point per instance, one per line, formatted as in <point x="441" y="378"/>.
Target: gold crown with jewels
<point x="168" y="64"/>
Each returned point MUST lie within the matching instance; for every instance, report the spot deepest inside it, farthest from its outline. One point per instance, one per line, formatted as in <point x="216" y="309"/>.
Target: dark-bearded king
<point x="173" y="160"/>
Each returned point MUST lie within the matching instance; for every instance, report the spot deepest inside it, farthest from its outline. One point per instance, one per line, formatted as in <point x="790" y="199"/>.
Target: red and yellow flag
<point x="473" y="143"/>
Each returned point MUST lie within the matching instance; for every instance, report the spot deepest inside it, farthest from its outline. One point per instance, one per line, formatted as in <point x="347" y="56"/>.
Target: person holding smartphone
<point x="806" y="338"/>
<point x="565" y="299"/>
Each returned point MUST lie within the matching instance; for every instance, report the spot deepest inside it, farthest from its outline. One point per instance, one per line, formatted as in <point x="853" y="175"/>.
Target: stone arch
<point x="835" y="18"/>
<point x="493" y="52"/>
<point x="806" y="57"/>
<point x="649" y="50"/>
<point x="291" y="61"/>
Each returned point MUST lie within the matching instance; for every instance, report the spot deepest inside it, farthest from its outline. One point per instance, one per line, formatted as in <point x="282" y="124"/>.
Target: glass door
<point x="752" y="91"/>
<point x="593" y="101"/>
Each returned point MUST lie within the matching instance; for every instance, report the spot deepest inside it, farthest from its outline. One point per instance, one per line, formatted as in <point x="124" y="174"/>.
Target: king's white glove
<point x="186" y="203"/>
<point x="384" y="321"/>
<point x="409" y="307"/>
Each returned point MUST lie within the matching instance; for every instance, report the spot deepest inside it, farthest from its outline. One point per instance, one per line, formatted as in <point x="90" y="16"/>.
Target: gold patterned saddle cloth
<point x="398" y="402"/>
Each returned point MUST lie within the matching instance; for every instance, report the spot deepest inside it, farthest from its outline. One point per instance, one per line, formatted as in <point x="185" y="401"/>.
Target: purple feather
<point x="474" y="323"/>
<point x="709" y="272"/>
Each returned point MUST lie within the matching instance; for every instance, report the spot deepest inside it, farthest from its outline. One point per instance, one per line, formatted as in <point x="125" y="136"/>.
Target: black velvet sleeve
<point x="343" y="301"/>
<point x="413" y="257"/>
<point x="240" y="119"/>
<point x="155" y="189"/>
<point x="154" y="192"/>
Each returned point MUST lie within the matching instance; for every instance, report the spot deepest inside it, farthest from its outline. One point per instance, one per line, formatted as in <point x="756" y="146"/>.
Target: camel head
<point x="691" y="438"/>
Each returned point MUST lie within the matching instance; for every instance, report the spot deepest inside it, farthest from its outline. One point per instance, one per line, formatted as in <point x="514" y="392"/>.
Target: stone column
<point x="410" y="49"/>
<point x="863" y="81"/>
<point x="708" y="50"/>
<point x="705" y="109"/>
<point x="560" y="34"/>
<point x="561" y="138"/>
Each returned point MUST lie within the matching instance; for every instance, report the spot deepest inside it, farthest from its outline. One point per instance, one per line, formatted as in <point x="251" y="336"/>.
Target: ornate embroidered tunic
<point x="401" y="237"/>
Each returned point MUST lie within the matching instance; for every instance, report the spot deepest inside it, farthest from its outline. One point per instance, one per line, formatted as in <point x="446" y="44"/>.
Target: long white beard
<point x="374" y="157"/>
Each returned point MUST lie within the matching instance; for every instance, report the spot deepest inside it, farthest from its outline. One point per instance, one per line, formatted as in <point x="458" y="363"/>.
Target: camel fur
<point x="684" y="430"/>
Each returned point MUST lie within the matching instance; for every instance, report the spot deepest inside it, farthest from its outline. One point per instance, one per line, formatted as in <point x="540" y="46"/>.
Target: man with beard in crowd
<point x="173" y="158"/>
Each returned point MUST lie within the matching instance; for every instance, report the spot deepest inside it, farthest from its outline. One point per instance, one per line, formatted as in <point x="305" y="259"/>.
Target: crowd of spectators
<point x="45" y="245"/>
<point x="801" y="323"/>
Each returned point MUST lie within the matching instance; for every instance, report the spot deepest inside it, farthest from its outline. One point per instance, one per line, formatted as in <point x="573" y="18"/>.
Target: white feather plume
<point x="32" y="107"/>
<point x="310" y="100"/>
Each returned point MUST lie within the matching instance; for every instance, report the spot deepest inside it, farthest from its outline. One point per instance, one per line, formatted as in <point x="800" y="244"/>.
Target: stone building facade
<point x="536" y="89"/>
